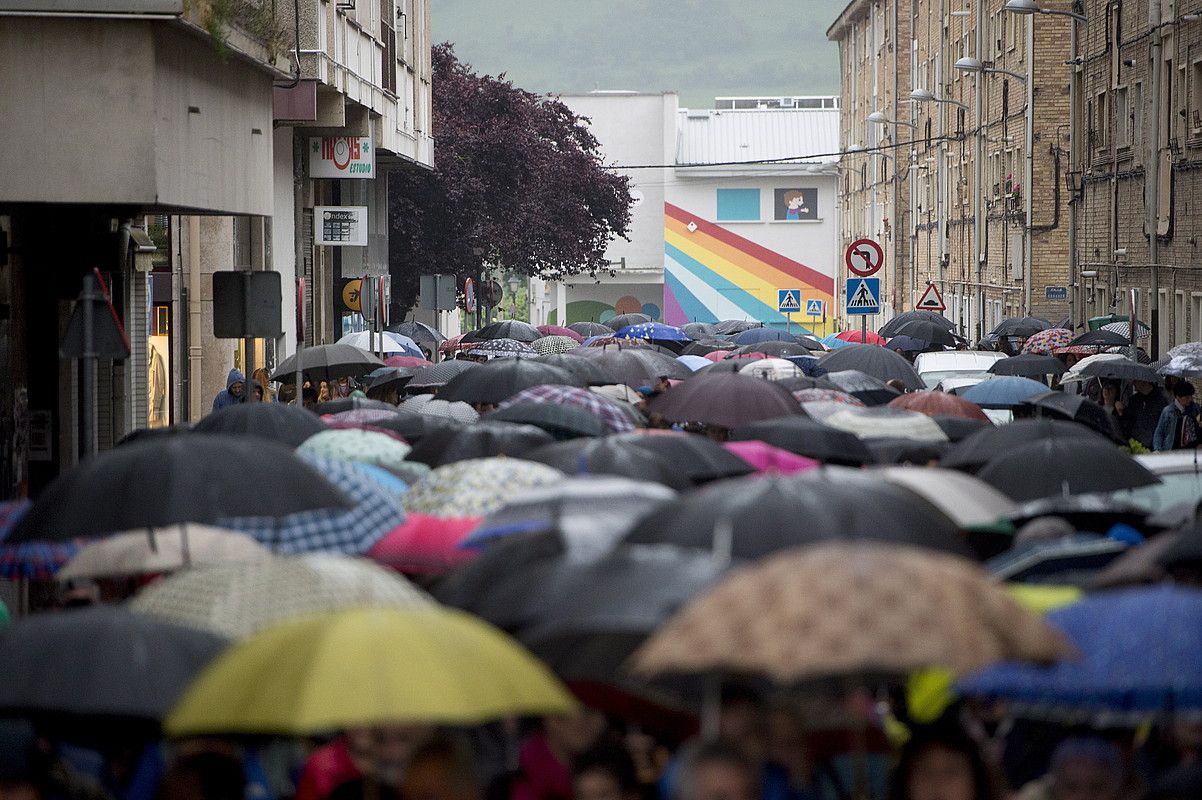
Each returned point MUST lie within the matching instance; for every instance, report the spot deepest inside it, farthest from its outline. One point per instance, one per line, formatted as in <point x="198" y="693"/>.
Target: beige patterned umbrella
<point x="156" y="550"/>
<point x="237" y="600"/>
<point x="477" y="486"/>
<point x="850" y="610"/>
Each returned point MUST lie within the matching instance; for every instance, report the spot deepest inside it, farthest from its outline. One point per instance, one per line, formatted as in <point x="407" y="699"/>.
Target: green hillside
<point x="701" y="48"/>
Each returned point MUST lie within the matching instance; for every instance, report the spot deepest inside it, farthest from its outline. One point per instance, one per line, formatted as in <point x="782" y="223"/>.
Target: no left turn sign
<point x="864" y="257"/>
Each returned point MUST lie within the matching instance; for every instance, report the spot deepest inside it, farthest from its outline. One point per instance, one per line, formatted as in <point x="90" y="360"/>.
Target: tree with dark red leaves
<point x="518" y="184"/>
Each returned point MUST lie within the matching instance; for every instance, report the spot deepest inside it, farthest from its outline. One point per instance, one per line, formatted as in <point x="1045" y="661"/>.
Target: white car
<point x="1180" y="473"/>
<point x="935" y="368"/>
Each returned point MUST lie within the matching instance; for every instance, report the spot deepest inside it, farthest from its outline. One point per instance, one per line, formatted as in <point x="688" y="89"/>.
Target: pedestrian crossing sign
<point x="813" y="308"/>
<point x="788" y="300"/>
<point x="863" y="296"/>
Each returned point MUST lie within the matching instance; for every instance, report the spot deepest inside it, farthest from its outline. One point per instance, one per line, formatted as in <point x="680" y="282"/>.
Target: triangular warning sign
<point x="931" y="300"/>
<point x="862" y="298"/>
<point x="790" y="301"/>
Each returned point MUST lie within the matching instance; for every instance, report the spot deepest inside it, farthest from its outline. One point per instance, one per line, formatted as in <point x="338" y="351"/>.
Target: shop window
<point x="738" y="205"/>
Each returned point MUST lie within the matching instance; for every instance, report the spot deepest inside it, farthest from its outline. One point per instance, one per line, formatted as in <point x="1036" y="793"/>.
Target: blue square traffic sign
<point x="863" y="296"/>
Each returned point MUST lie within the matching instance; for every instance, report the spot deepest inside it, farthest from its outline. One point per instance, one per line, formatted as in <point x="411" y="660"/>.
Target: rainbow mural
<point x="711" y="274"/>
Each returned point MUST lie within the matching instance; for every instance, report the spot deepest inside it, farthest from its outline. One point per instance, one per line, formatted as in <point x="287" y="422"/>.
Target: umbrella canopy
<point x="586" y="329"/>
<point x="653" y="332"/>
<point x="1021" y="327"/>
<point x="958" y="428"/>
<point x="699" y="330"/>
<point x="724" y="399"/>
<point x="700" y="459"/>
<point x="702" y="347"/>
<point x="499" y="380"/>
<point x="237" y="600"/>
<point x="278" y="422"/>
<point x="505" y="329"/>
<point x="731" y="327"/>
<point x="694" y="362"/>
<point x="907" y="344"/>
<point x="807" y="437"/>
<point x="1067" y="560"/>
<point x="1184" y="365"/>
<point x="407" y="362"/>
<point x="1004" y="391"/>
<point x="1139" y="658"/>
<point x="437" y="375"/>
<point x="408" y="424"/>
<point x="502" y="348"/>
<point x="489" y="437"/>
<point x="549" y="345"/>
<point x="340" y="670"/>
<point x="477" y="486"/>
<point x="425" y="545"/>
<point x="758" y="335"/>
<point x="560" y="422"/>
<point x="624" y="320"/>
<point x="865" y="388"/>
<point x="854" y="610"/>
<point x="1138" y="565"/>
<point x="636" y="367"/>
<point x="1064" y="466"/>
<point x="357" y="446"/>
<point x="1100" y="338"/>
<point x="1074" y="374"/>
<point x="208" y="479"/>
<point x="747" y="518"/>
<point x="980" y="448"/>
<point x="879" y="362"/>
<point x="162" y="550"/>
<point x="1123" y="369"/>
<point x="352" y="403"/>
<point x="38" y="561"/>
<point x="389" y="378"/>
<point x="609" y="457"/>
<point x="103" y="662"/>
<point x="385" y="342"/>
<point x="939" y="404"/>
<point x="427" y="405"/>
<point x="618" y="417"/>
<point x="810" y="397"/>
<point x="858" y="337"/>
<point x="586" y="370"/>
<point x="967" y="501"/>
<point x="890" y="328"/>
<point x="1028" y="365"/>
<point x="376" y="509"/>
<point x="1046" y="341"/>
<point x="905" y="451"/>
<point x="766" y="458"/>
<point x="328" y="362"/>
<point x="782" y="349"/>
<point x="559" y="330"/>
<point x="1077" y="408"/>
<point x="886" y="423"/>
<point x="771" y="369"/>
<point x="419" y="332"/>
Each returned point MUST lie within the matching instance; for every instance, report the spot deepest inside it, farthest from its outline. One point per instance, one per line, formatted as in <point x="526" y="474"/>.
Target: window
<point x="1195" y="109"/>
<point x="1122" y="118"/>
<point x="1179" y="328"/>
<point x="735" y="205"/>
<point x="1099" y="123"/>
<point x="1195" y="303"/>
<point x="1137" y="118"/>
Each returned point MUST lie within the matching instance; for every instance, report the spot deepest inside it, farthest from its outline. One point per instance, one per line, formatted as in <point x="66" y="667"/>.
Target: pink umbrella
<point x="855" y="336"/>
<point x="407" y="361"/>
<point x="766" y="458"/>
<point x="424" y="544"/>
<point x="559" y="330"/>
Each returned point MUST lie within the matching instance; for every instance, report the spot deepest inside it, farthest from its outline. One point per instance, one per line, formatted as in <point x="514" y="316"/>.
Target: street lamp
<point x="1031" y="7"/>
<point x="878" y="118"/>
<point x="926" y="96"/>
<point x="970" y="64"/>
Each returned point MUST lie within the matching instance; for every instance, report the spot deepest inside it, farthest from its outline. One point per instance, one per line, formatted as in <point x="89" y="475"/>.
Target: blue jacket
<point x="1168" y="430"/>
<point x="224" y="398"/>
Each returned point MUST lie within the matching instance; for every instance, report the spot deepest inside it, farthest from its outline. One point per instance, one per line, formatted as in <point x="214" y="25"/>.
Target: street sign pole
<point x="88" y="429"/>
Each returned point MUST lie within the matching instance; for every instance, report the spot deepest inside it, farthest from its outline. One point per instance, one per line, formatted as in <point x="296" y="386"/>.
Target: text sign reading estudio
<point x="341" y="157"/>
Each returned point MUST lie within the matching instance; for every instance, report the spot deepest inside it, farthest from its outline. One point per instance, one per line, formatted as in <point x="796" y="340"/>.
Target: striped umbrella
<point x="1044" y="342"/>
<point x="617" y="418"/>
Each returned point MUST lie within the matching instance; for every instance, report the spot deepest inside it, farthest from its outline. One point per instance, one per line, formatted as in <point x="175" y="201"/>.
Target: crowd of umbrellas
<point x="630" y="517"/>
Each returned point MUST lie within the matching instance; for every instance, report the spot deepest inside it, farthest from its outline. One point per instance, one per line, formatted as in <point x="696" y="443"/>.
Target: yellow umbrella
<point x="367" y="666"/>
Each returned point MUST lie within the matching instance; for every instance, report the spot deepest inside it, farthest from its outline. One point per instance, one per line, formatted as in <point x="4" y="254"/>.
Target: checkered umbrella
<point x="1142" y="331"/>
<point x="1044" y="342"/>
<point x="554" y="344"/>
<point x="615" y="417"/>
<point x="477" y="486"/>
<point x="502" y="348"/>
<point x="376" y="511"/>
<point x="432" y="406"/>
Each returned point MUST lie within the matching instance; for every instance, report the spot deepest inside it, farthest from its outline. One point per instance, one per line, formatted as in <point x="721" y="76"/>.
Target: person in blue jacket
<point x="1179" y="423"/>
<point x="234" y="391"/>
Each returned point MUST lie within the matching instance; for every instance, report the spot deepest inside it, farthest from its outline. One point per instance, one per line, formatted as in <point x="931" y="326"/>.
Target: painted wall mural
<point x="712" y="274"/>
<point x="599" y="311"/>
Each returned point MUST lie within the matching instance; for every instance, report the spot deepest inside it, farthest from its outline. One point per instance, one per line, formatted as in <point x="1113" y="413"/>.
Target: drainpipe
<point x="897" y="216"/>
<point x="195" y="321"/>
<point x="1028" y="177"/>
<point x="1077" y="301"/>
<point x="978" y="180"/>
<point x="1152" y="177"/>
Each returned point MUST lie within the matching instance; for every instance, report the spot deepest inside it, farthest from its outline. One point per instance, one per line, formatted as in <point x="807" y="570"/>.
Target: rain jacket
<point x="1142" y="415"/>
<point x="1177" y="429"/>
<point x="224" y="398"/>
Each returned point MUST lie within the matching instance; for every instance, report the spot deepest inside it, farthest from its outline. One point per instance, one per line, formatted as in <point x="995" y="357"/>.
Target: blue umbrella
<point x="907" y="344"/>
<point x="1003" y="391"/>
<point x="654" y="331"/>
<point x="1141" y="654"/>
<point x="808" y="365"/>
<point x="757" y="335"/>
<point x="1057" y="560"/>
<point x="833" y="342"/>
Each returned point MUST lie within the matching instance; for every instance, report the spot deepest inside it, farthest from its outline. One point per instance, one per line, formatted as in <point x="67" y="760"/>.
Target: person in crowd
<point x="262" y="378"/>
<point x="444" y="768"/>
<point x="234" y="392"/>
<point x="605" y="773"/>
<point x="286" y="394"/>
<point x="715" y="771"/>
<point x="1140" y="412"/>
<point x="204" y="776"/>
<point x="1178" y="425"/>
<point x="546" y="757"/>
<point x="1082" y="768"/>
<point x="942" y="764"/>
<point x="380" y="754"/>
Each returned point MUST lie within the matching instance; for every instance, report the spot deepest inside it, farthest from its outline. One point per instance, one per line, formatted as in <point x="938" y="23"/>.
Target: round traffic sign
<point x="864" y="257"/>
<point x="469" y="296"/>
<point x="352" y="295"/>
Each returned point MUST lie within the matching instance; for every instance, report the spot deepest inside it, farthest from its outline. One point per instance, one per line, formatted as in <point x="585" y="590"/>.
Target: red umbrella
<point x="559" y="330"/>
<point x="407" y="361"/>
<point x="766" y="458"/>
<point x="425" y="544"/>
<point x="856" y="337"/>
<point x="939" y="404"/>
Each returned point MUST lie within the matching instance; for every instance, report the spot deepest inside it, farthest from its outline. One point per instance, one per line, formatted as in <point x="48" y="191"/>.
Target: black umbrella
<point x="926" y="330"/>
<point x="482" y="440"/>
<point x="351" y="404"/>
<point x="748" y="518"/>
<point x="960" y="428"/>
<point x="1123" y="369"/>
<point x="868" y="390"/>
<point x="890" y="328"/>
<point x="699" y="330"/>
<point x="389" y="377"/>
<point x="1077" y="408"/>
<point x="560" y="422"/>
<point x="412" y="426"/>
<point x="807" y="437"/>
<point x="622" y="320"/>
<point x="419" y="332"/>
<point x="873" y="360"/>
<point x="438" y="374"/>
<point x="894" y="451"/>
<point x="587" y="329"/>
<point x="99" y="665"/>
<point x="725" y="400"/>
<point x="278" y="422"/>
<point x="618" y="345"/>
<point x="776" y="349"/>
<point x="1064" y="466"/>
<point x="699" y="458"/>
<point x="202" y="477"/>
<point x="1028" y="365"/>
<point x="505" y="329"/>
<point x="796" y="384"/>
<point x="703" y="347"/>
<point x="1101" y="338"/>
<point x="587" y="370"/>
<point x="727" y="365"/>
<point x="635" y="366"/>
<point x="609" y="457"/>
<point x="733" y="327"/>
<point x="1085" y="512"/>
<point x="501" y="379"/>
<point x="327" y="362"/>
<point x="1021" y="327"/>
<point x="979" y="448"/>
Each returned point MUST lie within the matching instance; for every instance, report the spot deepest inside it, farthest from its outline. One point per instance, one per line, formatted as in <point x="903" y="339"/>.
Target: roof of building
<point x="721" y="136"/>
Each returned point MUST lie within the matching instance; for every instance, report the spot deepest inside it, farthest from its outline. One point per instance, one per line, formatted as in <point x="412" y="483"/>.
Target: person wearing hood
<point x="234" y="392"/>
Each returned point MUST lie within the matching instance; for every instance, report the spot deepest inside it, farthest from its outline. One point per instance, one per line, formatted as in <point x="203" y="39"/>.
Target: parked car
<point x="935" y="368"/>
<point x="1180" y="473"/>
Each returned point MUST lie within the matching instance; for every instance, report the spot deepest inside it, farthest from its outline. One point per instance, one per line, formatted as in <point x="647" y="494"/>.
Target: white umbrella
<point x="772" y="369"/>
<point x="883" y="422"/>
<point x="431" y="406"/>
<point x="1074" y="374"/>
<point x="966" y="500"/>
<point x="156" y="550"/>
<point x="387" y="342"/>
